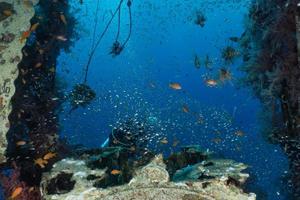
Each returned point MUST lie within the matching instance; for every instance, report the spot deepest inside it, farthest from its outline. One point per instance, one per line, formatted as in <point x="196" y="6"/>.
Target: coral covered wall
<point x="271" y="61"/>
<point x="15" y="18"/>
<point x="33" y="97"/>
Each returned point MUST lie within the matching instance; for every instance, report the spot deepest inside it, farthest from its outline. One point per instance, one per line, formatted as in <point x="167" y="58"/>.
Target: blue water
<point x="136" y="84"/>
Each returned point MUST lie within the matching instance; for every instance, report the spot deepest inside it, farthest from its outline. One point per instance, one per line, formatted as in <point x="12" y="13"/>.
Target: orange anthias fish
<point x="175" y="86"/>
<point x="115" y="172"/>
<point x="40" y="162"/>
<point x="20" y="143"/>
<point x="27" y="33"/>
<point x="16" y="192"/>
<point x="49" y="155"/>
<point x="211" y="83"/>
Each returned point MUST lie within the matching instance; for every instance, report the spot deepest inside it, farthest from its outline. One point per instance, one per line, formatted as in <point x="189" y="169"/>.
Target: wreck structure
<point x="32" y="35"/>
<point x="14" y="18"/>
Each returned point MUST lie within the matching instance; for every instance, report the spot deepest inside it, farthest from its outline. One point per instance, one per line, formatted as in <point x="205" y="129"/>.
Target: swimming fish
<point x="61" y="38"/>
<point x="49" y="156"/>
<point x="175" y="86"/>
<point x="197" y="63"/>
<point x="41" y="162"/>
<point x="38" y="65"/>
<point x="27" y="33"/>
<point x="185" y="109"/>
<point x="211" y="83"/>
<point x="16" y="192"/>
<point x="164" y="141"/>
<point x="115" y="172"/>
<point x="208" y="62"/>
<point x="21" y="143"/>
<point x="224" y="75"/>
<point x="63" y="19"/>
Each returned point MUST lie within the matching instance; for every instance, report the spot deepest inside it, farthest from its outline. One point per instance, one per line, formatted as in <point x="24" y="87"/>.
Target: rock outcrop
<point x="153" y="182"/>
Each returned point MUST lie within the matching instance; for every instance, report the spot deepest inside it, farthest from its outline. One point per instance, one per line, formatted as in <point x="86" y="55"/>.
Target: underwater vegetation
<point x="272" y="71"/>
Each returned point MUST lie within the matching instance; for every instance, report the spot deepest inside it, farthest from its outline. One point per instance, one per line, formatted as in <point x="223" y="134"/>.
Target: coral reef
<point x="271" y="63"/>
<point x="151" y="181"/>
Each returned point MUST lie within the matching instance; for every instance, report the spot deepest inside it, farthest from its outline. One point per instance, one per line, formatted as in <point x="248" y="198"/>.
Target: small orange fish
<point x="49" y="155"/>
<point x="41" y="162"/>
<point x="164" y="141"/>
<point x="27" y="33"/>
<point x="211" y="83"/>
<point x="175" y="86"/>
<point x="17" y="191"/>
<point x="63" y="19"/>
<point x="185" y="109"/>
<point x="115" y="172"/>
<point x="21" y="143"/>
<point x="24" y="36"/>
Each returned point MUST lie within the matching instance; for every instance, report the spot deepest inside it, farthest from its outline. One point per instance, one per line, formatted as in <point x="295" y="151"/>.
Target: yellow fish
<point x="115" y="172"/>
<point x="49" y="156"/>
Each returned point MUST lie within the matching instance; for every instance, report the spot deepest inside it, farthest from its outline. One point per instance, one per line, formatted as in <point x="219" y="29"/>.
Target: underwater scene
<point x="149" y="99"/>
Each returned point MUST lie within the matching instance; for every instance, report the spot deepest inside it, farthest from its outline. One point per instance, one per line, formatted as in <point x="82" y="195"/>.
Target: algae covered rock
<point x="15" y="18"/>
<point x="150" y="182"/>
